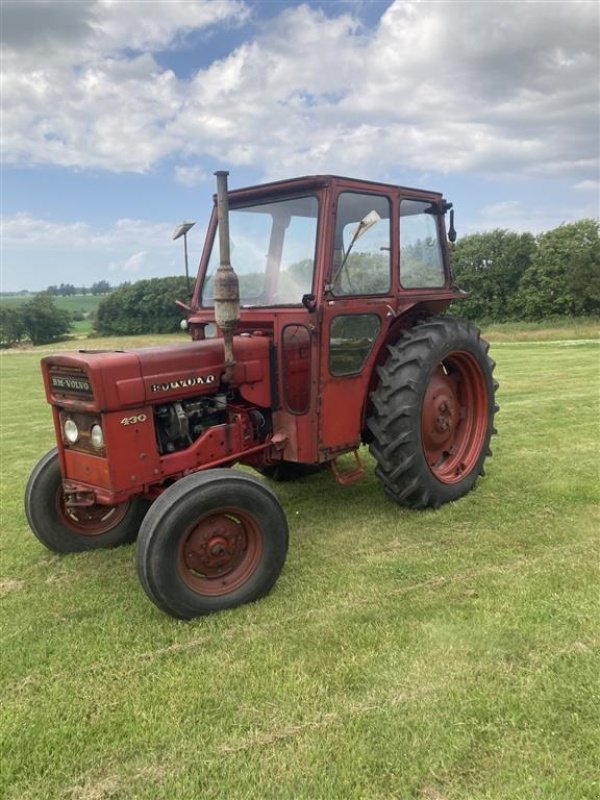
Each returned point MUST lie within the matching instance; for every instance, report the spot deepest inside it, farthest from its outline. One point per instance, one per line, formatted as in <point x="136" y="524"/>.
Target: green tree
<point x="12" y="328"/>
<point x="43" y="322"/>
<point x="147" y="306"/>
<point x="100" y="287"/>
<point x="364" y="273"/>
<point x="490" y="266"/>
<point x="564" y="277"/>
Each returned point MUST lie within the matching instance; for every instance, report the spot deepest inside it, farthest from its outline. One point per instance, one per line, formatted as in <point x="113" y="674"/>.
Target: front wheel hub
<point x="88" y="517"/>
<point x="219" y="552"/>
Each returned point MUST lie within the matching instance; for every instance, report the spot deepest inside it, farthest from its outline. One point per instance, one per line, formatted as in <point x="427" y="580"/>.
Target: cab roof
<point x="311" y="182"/>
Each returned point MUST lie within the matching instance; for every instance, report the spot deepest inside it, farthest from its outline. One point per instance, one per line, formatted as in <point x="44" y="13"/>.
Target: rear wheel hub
<point x="454" y="417"/>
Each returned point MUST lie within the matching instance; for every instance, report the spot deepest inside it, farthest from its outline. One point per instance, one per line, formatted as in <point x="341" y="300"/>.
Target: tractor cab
<point x="329" y="269"/>
<point x="311" y="240"/>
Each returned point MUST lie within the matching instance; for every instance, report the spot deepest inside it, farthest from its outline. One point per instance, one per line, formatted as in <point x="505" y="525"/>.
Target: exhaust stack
<point x="226" y="288"/>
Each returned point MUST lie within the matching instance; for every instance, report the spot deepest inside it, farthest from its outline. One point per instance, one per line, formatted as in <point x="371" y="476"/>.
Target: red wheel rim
<point x="454" y="417"/>
<point x="219" y="552"/>
<point x="90" y="520"/>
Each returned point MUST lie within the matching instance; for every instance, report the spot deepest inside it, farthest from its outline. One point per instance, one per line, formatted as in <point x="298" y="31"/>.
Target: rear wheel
<point x="67" y="529"/>
<point x="213" y="540"/>
<point x="433" y="413"/>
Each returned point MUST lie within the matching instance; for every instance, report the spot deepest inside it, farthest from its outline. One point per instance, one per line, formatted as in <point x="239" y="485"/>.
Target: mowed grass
<point x="426" y="655"/>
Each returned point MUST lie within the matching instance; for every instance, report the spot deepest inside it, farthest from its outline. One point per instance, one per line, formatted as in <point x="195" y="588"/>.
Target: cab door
<point x="358" y="305"/>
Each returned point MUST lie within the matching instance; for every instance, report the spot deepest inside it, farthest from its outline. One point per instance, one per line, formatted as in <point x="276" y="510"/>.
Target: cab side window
<point x="351" y="339"/>
<point x="421" y="260"/>
<point x="362" y="251"/>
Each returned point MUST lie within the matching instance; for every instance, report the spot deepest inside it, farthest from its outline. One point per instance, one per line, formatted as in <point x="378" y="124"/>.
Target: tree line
<point x="509" y="276"/>
<point x="518" y="276"/>
<point x="69" y="290"/>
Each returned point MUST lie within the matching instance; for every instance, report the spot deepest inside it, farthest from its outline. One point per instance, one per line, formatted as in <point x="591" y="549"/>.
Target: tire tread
<point x="395" y="420"/>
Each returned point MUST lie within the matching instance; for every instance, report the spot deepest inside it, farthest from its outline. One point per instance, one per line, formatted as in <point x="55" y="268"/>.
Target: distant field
<point x="545" y="330"/>
<point x="77" y="302"/>
<point x="448" y="655"/>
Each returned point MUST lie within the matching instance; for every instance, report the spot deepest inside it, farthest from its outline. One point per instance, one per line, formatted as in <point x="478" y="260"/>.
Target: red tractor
<point x="330" y="335"/>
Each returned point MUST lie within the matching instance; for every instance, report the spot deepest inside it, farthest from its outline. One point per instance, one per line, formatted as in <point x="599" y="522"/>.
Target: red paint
<point x="220" y="551"/>
<point x="454" y="418"/>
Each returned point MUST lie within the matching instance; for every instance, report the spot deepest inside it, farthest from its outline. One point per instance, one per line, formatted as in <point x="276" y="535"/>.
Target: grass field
<point x="418" y="655"/>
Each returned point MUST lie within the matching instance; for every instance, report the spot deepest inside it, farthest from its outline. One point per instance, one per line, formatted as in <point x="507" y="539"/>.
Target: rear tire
<point x="71" y="530"/>
<point x="433" y="413"/>
<point x="213" y="540"/>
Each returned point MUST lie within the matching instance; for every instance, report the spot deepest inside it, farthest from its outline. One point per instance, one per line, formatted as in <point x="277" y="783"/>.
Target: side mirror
<point x="309" y="302"/>
<point x="451" y="230"/>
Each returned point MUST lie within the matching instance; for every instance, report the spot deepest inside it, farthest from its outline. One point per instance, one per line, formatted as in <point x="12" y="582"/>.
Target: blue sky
<point x="116" y="114"/>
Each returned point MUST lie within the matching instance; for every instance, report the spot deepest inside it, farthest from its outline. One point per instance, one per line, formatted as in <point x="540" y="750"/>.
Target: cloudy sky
<point x="117" y="112"/>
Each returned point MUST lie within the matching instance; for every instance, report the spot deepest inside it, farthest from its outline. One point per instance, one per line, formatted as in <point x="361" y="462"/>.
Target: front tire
<point x="433" y="413"/>
<point x="213" y="540"/>
<point x="71" y="530"/>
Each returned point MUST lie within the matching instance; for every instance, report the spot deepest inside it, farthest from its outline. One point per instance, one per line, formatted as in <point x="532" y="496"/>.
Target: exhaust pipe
<point x="226" y="287"/>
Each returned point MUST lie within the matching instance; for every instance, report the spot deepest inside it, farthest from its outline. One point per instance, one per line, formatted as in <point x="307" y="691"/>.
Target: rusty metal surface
<point x="226" y="286"/>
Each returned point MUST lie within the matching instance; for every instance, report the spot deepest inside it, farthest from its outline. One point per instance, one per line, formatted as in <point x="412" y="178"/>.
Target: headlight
<point x="71" y="431"/>
<point x="97" y="437"/>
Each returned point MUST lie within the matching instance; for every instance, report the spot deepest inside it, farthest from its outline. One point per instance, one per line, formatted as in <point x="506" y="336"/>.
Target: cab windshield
<point x="272" y="250"/>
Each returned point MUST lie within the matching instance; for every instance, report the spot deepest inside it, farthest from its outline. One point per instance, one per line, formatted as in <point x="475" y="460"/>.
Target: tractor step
<point x="350" y="476"/>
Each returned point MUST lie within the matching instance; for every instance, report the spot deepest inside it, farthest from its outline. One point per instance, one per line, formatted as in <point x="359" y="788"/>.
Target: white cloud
<point x="522" y="217"/>
<point x="588" y="186"/>
<point x="74" y="93"/>
<point x="24" y="231"/>
<point x="494" y="88"/>
<point x="132" y="264"/>
<point x="156" y="25"/>
<point x="37" y="251"/>
<point x="115" y="116"/>
<point x="190" y="176"/>
<point x="85" y="30"/>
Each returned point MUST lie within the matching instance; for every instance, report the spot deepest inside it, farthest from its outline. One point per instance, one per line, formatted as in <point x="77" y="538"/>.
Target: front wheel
<point x="67" y="529"/>
<point x="433" y="413"/>
<point x="213" y="540"/>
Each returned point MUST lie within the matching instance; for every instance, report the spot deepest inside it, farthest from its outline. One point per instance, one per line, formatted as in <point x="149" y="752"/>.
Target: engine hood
<point x="114" y="379"/>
